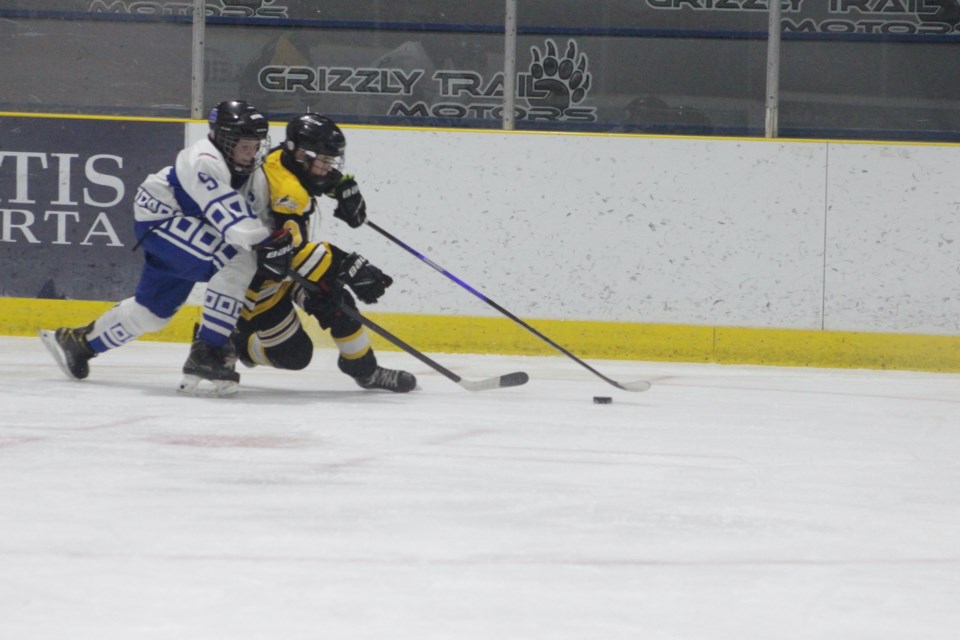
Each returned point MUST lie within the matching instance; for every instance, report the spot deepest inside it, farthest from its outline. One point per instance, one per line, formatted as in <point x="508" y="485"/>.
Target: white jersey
<point x="199" y="186"/>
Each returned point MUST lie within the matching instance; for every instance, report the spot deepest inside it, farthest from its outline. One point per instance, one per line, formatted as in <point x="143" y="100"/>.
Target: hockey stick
<point x="637" y="385"/>
<point x="508" y="380"/>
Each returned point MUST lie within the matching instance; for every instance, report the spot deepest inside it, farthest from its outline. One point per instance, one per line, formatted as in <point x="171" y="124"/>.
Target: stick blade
<point x="514" y="379"/>
<point x="636" y="385"/>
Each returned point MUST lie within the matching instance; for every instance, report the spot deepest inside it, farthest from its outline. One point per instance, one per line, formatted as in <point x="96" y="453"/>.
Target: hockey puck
<point x="602" y="400"/>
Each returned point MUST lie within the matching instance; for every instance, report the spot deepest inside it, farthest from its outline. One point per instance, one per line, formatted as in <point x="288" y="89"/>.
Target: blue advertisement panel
<point x="66" y="193"/>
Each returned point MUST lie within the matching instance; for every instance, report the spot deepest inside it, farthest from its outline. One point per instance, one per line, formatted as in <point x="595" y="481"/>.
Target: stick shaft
<point x="509" y="380"/>
<point x="533" y="330"/>
<point x="386" y="335"/>
<point x="380" y="331"/>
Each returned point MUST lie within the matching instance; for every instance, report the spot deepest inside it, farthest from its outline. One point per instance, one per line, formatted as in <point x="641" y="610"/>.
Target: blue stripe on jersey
<point x="187" y="204"/>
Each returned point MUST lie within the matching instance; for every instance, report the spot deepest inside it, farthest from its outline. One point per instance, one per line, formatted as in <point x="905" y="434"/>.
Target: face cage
<point x="336" y="162"/>
<point x="229" y="142"/>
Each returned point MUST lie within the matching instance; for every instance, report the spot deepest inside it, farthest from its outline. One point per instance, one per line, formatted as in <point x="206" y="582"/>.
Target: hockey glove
<point x="274" y="255"/>
<point x="366" y="281"/>
<point x="351" y="207"/>
<point x="318" y="186"/>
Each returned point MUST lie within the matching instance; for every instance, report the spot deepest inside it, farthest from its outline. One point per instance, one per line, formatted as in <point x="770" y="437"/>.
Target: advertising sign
<point x="66" y="189"/>
<point x="882" y="17"/>
<point x="930" y="17"/>
<point x="408" y="83"/>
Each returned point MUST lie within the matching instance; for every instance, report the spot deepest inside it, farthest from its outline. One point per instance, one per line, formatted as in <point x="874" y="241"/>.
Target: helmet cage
<point x="316" y="136"/>
<point x="233" y="121"/>
<point x="227" y="141"/>
<point x="334" y="162"/>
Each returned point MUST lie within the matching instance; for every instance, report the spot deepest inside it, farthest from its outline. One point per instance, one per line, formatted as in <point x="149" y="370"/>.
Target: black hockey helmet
<point x="316" y="134"/>
<point x="235" y="120"/>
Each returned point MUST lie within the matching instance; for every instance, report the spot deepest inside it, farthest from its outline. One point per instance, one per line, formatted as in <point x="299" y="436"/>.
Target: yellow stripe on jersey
<point x="313" y="260"/>
<point x="266" y="297"/>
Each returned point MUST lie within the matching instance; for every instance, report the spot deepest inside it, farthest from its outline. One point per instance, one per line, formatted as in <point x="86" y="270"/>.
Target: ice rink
<point x="725" y="503"/>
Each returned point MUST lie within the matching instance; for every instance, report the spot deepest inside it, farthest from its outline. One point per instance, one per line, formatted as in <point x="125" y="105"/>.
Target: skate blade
<point x="49" y="340"/>
<point x="202" y="388"/>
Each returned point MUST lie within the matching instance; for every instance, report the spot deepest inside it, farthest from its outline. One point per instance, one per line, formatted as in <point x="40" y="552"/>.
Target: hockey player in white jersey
<point x="200" y="220"/>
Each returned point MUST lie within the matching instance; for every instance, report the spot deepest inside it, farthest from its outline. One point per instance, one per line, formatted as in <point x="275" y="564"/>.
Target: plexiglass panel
<point x="848" y="68"/>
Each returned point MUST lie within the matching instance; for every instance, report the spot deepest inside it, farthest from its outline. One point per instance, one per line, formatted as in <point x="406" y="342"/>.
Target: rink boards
<point x="637" y="247"/>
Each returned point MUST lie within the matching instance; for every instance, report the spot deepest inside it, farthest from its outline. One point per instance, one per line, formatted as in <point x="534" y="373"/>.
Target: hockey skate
<point x="209" y="371"/>
<point x="389" y="380"/>
<point x="70" y="349"/>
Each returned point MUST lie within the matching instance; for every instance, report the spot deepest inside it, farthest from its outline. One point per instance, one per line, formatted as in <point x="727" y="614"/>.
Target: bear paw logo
<point x="558" y="83"/>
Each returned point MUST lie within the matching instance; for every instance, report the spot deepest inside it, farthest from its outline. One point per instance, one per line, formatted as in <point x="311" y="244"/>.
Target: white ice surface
<point x="727" y="502"/>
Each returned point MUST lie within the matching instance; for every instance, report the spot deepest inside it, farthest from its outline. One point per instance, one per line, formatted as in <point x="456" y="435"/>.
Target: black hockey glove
<point x="351" y="207"/>
<point x="274" y="255"/>
<point x="366" y="281"/>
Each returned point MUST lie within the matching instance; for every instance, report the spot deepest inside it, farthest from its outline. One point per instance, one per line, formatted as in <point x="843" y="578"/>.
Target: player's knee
<point x="294" y="354"/>
<point x="293" y="360"/>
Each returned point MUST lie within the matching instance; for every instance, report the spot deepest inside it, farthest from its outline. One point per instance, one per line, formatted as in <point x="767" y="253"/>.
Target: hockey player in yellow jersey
<point x="305" y="167"/>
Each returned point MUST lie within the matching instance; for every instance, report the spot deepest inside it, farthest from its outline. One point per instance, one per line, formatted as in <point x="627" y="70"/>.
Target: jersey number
<point x="209" y="182"/>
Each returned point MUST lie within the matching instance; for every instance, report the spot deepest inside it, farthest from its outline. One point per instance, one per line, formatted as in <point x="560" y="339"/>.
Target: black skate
<point x="389" y="380"/>
<point x="70" y="349"/>
<point x="209" y="371"/>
